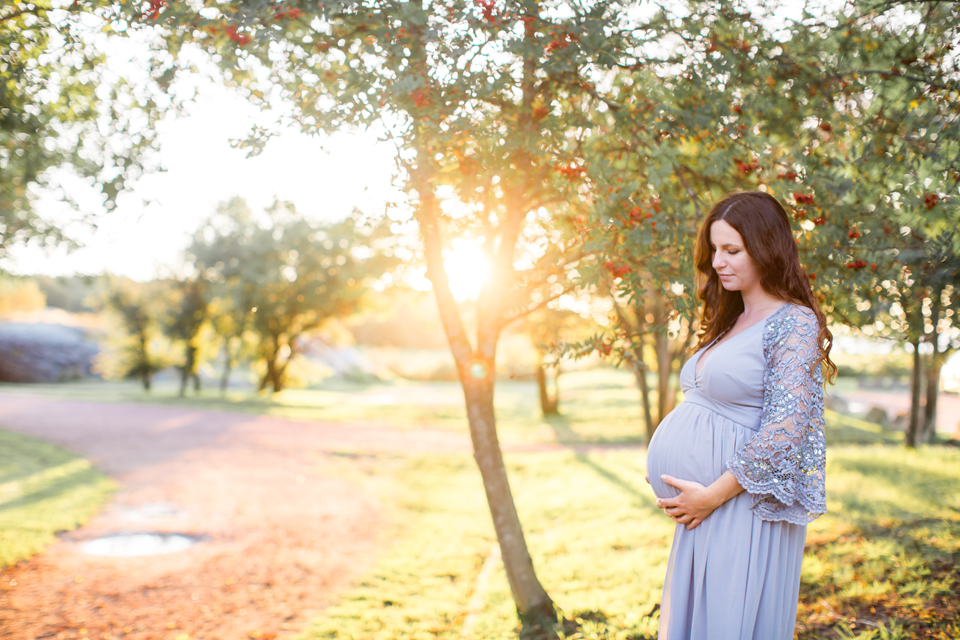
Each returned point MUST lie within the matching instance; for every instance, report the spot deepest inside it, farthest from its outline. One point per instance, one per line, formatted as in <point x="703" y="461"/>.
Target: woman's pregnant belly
<point x="692" y="443"/>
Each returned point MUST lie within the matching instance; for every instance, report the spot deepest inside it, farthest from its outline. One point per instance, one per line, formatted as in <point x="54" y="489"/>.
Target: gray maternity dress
<point x="755" y="408"/>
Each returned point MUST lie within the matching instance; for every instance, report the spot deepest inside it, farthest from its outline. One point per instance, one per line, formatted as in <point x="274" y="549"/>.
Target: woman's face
<point x="731" y="261"/>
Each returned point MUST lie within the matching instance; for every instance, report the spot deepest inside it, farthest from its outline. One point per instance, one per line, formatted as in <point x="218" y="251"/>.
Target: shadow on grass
<point x="565" y="432"/>
<point x="919" y="484"/>
<point x="642" y="498"/>
<point x="70" y="482"/>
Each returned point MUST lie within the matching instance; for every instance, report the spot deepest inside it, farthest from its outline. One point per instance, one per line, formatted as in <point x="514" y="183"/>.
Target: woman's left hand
<point x="692" y="506"/>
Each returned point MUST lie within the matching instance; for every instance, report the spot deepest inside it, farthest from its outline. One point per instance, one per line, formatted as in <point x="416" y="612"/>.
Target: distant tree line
<point x="252" y="287"/>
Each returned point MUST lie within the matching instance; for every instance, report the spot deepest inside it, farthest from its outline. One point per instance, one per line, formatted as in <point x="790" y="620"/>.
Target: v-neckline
<point x="700" y="363"/>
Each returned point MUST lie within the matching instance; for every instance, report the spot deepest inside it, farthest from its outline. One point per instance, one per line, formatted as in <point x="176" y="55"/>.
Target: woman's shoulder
<point x="791" y="318"/>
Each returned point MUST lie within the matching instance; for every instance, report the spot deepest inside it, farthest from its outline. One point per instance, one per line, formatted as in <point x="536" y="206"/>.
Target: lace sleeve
<point x="783" y="465"/>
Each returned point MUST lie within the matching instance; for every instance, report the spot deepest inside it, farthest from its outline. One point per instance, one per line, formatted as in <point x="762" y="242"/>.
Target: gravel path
<point x="283" y="525"/>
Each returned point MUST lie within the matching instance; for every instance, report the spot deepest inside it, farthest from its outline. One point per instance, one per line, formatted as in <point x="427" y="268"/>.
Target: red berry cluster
<point x="853" y="234"/>
<point x="746" y="167"/>
<point x="617" y="270"/>
<point x="788" y="175"/>
<point x="803" y="198"/>
<point x="737" y="108"/>
<point x="572" y="171"/>
<point x="488" y="8"/>
<point x="154" y="11"/>
<point x="240" y="38"/>
<point x="288" y="14"/>
<point x="421" y="98"/>
<point x="825" y="126"/>
<point x="856" y="265"/>
<point x="819" y="221"/>
<point x="930" y="200"/>
<point x="560" y="41"/>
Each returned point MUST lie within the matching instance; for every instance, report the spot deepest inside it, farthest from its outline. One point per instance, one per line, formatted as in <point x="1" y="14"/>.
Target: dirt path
<point x="283" y="527"/>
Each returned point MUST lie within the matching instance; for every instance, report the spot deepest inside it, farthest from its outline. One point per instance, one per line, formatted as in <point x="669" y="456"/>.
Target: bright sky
<point x="203" y="170"/>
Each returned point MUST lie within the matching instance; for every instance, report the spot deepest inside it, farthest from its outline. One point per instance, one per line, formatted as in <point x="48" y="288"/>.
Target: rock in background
<point x="43" y="352"/>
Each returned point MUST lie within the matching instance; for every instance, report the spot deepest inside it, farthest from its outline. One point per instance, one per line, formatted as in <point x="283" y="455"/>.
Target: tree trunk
<point x="664" y="366"/>
<point x="549" y="406"/>
<point x="911" y="439"/>
<point x="640" y="374"/>
<point x="934" y="365"/>
<point x="227" y="368"/>
<point x="187" y="371"/>
<point x="268" y="375"/>
<point x="531" y="599"/>
<point x="146" y="373"/>
<point x="534" y="606"/>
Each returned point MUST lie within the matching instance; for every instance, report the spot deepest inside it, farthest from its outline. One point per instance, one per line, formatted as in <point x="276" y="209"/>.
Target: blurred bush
<point x="20" y="295"/>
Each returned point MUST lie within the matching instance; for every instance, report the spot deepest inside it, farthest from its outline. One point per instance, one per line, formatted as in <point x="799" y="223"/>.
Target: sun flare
<point x="466" y="268"/>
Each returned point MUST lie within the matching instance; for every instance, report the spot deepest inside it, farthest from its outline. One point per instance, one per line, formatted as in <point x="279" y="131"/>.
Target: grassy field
<point x="598" y="406"/>
<point x="884" y="563"/>
<point x="43" y="489"/>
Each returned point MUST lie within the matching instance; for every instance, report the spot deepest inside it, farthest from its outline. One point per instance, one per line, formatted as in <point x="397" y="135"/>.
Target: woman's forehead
<point x="722" y="233"/>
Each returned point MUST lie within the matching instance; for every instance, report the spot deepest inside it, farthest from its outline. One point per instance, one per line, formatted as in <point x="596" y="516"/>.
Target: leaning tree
<point x="489" y="105"/>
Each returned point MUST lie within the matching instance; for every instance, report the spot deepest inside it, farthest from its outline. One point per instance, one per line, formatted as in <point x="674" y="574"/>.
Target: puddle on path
<point x="139" y="544"/>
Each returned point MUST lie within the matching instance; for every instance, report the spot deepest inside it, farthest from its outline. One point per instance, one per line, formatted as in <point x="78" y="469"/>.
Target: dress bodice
<point x="731" y="379"/>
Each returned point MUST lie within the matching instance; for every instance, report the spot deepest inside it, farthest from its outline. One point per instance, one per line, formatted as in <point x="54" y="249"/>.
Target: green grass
<point x="43" y="490"/>
<point x="844" y="429"/>
<point x="885" y="557"/>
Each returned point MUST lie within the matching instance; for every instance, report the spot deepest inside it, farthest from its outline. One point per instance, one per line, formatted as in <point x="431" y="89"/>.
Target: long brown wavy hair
<point x="765" y="228"/>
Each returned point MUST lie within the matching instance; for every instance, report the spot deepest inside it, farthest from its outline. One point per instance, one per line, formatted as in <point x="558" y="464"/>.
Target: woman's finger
<point x="673" y="482"/>
<point x="664" y="503"/>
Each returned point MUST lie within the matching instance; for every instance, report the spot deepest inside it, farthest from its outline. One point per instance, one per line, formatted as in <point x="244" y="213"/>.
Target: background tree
<point x="283" y="277"/>
<point x="548" y="327"/>
<point x="189" y="315"/>
<point x="219" y="256"/>
<point x="141" y="349"/>
<point x="878" y="160"/>
<point x="847" y="117"/>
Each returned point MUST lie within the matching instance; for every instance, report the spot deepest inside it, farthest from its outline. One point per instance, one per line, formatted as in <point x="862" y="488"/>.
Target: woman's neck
<point x="757" y="303"/>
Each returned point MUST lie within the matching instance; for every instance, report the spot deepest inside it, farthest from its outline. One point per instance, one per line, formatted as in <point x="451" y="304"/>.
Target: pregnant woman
<point x="739" y="464"/>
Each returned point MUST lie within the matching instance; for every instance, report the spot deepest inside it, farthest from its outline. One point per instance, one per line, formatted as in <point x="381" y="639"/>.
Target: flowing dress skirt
<point x="735" y="576"/>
